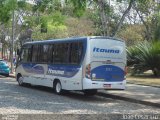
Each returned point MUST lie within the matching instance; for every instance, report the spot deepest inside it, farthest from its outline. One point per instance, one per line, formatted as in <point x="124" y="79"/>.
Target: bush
<point x="144" y="56"/>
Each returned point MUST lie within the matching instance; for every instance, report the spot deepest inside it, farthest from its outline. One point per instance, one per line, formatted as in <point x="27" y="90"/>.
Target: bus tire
<point x="20" y="80"/>
<point x="58" y="87"/>
<point x="90" y="92"/>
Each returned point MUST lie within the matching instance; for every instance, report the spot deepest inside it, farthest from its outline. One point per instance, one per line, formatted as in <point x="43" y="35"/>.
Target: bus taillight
<point x="88" y="71"/>
<point x="125" y="70"/>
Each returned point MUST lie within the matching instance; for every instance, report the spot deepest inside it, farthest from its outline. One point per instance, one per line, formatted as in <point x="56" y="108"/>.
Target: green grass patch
<point x="144" y="79"/>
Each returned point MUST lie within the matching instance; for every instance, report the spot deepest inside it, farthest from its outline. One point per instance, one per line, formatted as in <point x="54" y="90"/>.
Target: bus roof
<point x="73" y="39"/>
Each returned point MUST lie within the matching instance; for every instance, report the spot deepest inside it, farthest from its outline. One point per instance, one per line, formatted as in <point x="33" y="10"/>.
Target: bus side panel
<point x="27" y="76"/>
<point x="44" y="75"/>
<point x="70" y="76"/>
<point x="34" y="74"/>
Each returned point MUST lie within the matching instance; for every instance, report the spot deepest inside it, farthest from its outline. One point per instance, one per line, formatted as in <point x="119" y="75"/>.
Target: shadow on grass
<point x="143" y="75"/>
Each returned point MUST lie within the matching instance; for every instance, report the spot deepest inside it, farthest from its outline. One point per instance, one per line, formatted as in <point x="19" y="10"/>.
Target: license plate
<point x="107" y="85"/>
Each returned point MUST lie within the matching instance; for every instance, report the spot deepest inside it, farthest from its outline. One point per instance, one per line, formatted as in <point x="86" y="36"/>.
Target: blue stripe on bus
<point x="55" y="70"/>
<point x="33" y="68"/>
<point x="63" y="70"/>
<point x="108" y="73"/>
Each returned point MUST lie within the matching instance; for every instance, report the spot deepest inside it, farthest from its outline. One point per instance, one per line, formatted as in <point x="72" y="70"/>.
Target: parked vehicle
<point x="80" y="63"/>
<point x="4" y="68"/>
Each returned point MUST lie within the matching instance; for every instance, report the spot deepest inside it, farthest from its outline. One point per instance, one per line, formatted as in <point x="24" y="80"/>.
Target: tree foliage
<point x="145" y="56"/>
<point x="148" y="12"/>
<point x="132" y="34"/>
<point x="6" y="7"/>
<point x="79" y="6"/>
<point x="102" y="17"/>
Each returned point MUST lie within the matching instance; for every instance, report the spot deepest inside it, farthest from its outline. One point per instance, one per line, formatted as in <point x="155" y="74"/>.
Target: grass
<point x="145" y="79"/>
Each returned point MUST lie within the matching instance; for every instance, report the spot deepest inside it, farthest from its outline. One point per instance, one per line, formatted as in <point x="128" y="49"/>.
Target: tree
<point x="132" y="34"/>
<point x="118" y="26"/>
<point x="148" y="11"/>
<point x="6" y="8"/>
<point x="144" y="56"/>
<point x="79" y="6"/>
<point x="105" y="14"/>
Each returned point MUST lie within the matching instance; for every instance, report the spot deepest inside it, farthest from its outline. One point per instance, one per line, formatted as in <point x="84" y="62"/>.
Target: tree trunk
<point x="148" y="33"/>
<point x="156" y="72"/>
<point x="122" y="18"/>
<point x="101" y="4"/>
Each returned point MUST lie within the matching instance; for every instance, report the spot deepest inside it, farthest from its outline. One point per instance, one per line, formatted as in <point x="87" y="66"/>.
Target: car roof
<point x="2" y="60"/>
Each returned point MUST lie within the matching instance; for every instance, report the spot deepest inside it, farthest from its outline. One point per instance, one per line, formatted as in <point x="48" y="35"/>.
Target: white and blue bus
<point x="79" y="63"/>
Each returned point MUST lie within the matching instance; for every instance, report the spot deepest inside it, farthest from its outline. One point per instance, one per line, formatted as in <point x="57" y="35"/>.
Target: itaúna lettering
<point x="56" y="72"/>
<point x="105" y="50"/>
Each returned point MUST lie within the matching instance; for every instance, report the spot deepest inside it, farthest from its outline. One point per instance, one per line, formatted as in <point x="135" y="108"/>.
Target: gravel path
<point x="39" y="100"/>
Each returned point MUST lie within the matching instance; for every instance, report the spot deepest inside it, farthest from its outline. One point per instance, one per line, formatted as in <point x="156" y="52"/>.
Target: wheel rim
<point x="58" y="87"/>
<point x="20" y="80"/>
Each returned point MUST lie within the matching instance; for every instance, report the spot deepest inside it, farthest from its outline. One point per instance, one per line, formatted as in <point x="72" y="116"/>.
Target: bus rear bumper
<point x="89" y="84"/>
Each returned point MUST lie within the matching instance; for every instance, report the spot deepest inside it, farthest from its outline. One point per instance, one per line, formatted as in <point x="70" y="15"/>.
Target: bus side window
<point x="39" y="53"/>
<point x="60" y="53"/>
<point x="23" y="53"/>
<point x="80" y="52"/>
<point x="44" y="54"/>
<point x="53" y="53"/>
<point x="50" y="53"/>
<point x="26" y="54"/>
<point x="64" y="53"/>
<point x="76" y="50"/>
<point x="56" y="52"/>
<point x="35" y="53"/>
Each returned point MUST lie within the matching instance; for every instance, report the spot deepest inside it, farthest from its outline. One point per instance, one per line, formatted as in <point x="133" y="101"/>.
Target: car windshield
<point x="2" y="62"/>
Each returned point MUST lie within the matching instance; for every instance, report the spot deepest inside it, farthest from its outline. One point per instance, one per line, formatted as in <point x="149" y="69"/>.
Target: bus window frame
<point x="84" y="47"/>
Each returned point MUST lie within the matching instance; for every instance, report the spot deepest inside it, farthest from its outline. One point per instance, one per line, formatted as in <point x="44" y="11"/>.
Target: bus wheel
<point x="58" y="88"/>
<point x="90" y="92"/>
<point x="20" y="80"/>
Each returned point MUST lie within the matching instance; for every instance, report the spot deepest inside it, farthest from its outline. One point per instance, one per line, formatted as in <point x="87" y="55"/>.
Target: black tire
<point x="58" y="88"/>
<point x="20" y="80"/>
<point x="90" y="92"/>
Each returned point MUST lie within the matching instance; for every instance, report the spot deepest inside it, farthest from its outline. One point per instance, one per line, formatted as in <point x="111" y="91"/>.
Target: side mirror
<point x="18" y="52"/>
